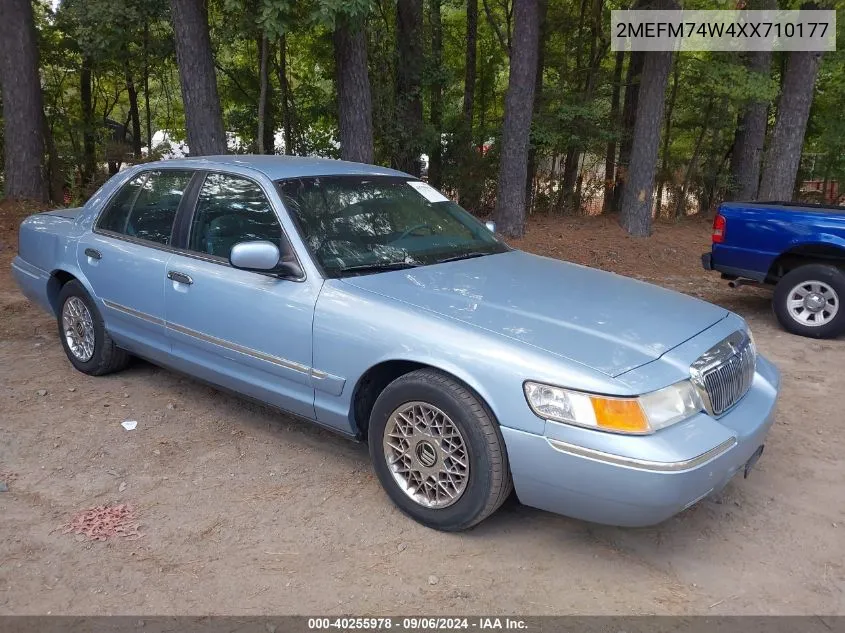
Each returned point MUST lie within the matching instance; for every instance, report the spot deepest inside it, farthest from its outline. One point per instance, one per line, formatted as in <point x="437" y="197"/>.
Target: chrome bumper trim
<point x="642" y="464"/>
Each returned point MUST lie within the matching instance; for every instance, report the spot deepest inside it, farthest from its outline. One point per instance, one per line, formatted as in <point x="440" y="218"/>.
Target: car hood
<point x="602" y="320"/>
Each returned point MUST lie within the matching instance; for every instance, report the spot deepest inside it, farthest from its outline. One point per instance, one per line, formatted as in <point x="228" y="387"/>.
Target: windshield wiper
<point x="455" y="258"/>
<point x="377" y="266"/>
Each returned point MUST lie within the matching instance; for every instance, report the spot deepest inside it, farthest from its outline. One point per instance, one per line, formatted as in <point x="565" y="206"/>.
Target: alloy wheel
<point x="426" y="454"/>
<point x="78" y="328"/>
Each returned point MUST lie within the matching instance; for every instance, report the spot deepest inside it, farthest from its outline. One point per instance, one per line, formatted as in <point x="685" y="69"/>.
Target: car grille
<point x="724" y="373"/>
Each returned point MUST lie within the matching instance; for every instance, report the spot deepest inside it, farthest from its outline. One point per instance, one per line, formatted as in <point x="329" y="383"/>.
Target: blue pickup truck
<point x="797" y="249"/>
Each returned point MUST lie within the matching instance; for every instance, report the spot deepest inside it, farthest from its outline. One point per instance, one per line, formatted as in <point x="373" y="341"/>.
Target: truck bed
<point x="788" y="207"/>
<point x="758" y="236"/>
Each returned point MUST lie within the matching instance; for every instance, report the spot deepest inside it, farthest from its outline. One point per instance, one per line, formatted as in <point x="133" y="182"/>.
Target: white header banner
<point x="723" y="30"/>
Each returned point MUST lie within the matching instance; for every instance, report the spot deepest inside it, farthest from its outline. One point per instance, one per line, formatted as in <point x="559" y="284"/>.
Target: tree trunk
<point x="573" y="153"/>
<point x="633" y="76"/>
<point x="504" y="38"/>
<point x="89" y="158"/>
<point x="55" y="176"/>
<point x="23" y="111"/>
<point x="681" y="207"/>
<point x="353" y="92"/>
<point x="147" y="112"/>
<point x="435" y="155"/>
<point x="635" y="212"/>
<point x="134" y="113"/>
<point x="712" y="171"/>
<point x="750" y="136"/>
<point x="664" y="175"/>
<point x="470" y="64"/>
<point x="203" y="119"/>
<point x="538" y="102"/>
<point x="783" y="156"/>
<point x="263" y="65"/>
<point x="572" y="172"/>
<point x="610" y="155"/>
<point x="484" y="98"/>
<point x="567" y="181"/>
<point x="516" y="127"/>
<point x="469" y="192"/>
<point x="284" y="86"/>
<point x="409" y="105"/>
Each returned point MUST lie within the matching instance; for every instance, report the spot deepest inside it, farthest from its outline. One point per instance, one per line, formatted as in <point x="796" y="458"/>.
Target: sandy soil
<point x="244" y="511"/>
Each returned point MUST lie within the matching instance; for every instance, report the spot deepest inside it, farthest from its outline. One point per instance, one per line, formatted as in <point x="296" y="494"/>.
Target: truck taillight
<point x="719" y="225"/>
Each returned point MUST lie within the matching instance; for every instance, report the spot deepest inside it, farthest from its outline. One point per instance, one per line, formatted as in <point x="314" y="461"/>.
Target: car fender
<point x="355" y="330"/>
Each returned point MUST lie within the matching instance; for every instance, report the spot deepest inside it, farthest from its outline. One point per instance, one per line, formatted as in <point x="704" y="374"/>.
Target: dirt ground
<point x="244" y="511"/>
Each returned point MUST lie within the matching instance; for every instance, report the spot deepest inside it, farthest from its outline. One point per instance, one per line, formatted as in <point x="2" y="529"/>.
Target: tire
<point x="818" y="284"/>
<point x="478" y="443"/>
<point x="105" y="356"/>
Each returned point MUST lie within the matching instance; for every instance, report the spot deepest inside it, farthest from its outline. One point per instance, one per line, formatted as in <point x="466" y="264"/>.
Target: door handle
<point x="178" y="277"/>
<point x="93" y="253"/>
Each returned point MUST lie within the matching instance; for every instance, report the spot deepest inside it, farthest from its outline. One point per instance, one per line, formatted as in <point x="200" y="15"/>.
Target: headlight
<point x="639" y="415"/>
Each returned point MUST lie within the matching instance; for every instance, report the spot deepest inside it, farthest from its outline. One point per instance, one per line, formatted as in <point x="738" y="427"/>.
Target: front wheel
<point x="438" y="452"/>
<point x="807" y="301"/>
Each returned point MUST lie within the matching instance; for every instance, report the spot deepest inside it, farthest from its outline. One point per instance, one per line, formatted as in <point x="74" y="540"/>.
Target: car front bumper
<point x="623" y="486"/>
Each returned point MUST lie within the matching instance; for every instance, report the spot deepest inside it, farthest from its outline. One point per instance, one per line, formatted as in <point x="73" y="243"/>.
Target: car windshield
<point x="362" y="224"/>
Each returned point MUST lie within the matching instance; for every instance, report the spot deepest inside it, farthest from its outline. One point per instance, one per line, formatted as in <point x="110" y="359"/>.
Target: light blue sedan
<point x="365" y="301"/>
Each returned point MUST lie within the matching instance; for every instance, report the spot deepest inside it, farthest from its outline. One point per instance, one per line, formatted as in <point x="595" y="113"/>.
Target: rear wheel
<point x="438" y="451"/>
<point x="807" y="301"/>
<point x="82" y="332"/>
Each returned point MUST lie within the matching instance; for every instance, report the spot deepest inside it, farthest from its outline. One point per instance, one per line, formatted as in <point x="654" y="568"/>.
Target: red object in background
<point x="719" y="225"/>
<point x="829" y="190"/>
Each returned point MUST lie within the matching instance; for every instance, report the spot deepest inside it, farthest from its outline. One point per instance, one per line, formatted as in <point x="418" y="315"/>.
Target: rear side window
<point x="154" y="211"/>
<point x="145" y="208"/>
<point x="117" y="213"/>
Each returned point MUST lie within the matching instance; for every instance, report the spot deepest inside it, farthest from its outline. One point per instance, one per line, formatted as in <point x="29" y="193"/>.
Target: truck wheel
<point x="807" y="301"/>
<point x="84" y="338"/>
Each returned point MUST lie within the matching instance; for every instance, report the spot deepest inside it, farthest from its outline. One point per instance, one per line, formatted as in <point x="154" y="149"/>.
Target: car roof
<point x="279" y="167"/>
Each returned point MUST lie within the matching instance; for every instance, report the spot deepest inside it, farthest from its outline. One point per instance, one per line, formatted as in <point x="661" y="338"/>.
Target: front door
<point x="243" y="330"/>
<point x="125" y="259"/>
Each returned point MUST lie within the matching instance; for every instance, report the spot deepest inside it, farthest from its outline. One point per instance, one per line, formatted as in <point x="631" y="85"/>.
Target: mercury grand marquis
<point x="365" y="301"/>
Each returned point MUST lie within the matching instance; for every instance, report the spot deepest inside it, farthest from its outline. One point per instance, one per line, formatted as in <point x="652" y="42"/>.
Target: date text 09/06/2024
<point x="417" y="623"/>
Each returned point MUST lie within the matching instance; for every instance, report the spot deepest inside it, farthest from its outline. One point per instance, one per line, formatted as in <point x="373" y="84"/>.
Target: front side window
<point x="359" y="224"/>
<point x="145" y="208"/>
<point x="231" y="209"/>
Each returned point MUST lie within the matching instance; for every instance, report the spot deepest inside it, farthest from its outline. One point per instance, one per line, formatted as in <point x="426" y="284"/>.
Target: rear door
<point x="125" y="258"/>
<point x="243" y="330"/>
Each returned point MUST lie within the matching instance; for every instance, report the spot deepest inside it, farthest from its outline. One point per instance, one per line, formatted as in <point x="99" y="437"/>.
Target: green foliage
<point x="327" y="12"/>
<point x="824" y="152"/>
<point x="125" y="39"/>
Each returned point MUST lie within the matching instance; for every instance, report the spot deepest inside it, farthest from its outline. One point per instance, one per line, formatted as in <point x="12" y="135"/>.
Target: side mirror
<point x="491" y="226"/>
<point x="262" y="256"/>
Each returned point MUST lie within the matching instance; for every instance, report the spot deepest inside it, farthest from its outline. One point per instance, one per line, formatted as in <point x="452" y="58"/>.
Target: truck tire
<point x="808" y="301"/>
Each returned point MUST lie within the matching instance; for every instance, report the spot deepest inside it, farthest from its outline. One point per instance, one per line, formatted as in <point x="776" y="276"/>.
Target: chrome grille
<point x="724" y="373"/>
